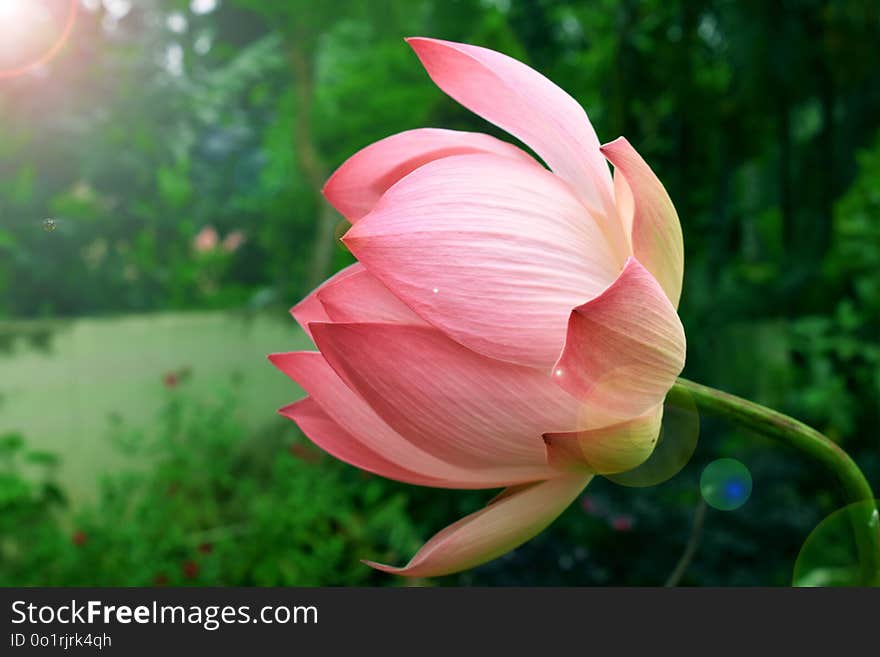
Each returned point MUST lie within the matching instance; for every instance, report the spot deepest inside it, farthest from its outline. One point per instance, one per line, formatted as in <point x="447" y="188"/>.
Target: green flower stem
<point x="773" y="424"/>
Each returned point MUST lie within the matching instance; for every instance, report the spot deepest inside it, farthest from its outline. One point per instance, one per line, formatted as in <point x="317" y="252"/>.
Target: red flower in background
<point x="621" y="523"/>
<point x="174" y="378"/>
<point x="303" y="453"/>
<point x="589" y="505"/>
<point x="190" y="569"/>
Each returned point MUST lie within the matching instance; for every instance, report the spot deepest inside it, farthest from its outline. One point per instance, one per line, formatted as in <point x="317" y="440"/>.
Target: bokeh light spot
<point x="675" y="446"/>
<point x="203" y="6"/>
<point x="726" y="484"/>
<point x="831" y="554"/>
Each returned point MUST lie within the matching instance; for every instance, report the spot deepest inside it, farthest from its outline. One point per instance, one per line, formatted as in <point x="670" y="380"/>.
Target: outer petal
<point x="529" y="106"/>
<point x="646" y="207"/>
<point x="360" y="297"/>
<point x="493" y="251"/>
<point x="358" y="422"/>
<point x="625" y="347"/>
<point x="457" y="405"/>
<point x="333" y="439"/>
<point x="506" y="523"/>
<point x="310" y="309"/>
<point x="358" y="184"/>
<point x="617" y="448"/>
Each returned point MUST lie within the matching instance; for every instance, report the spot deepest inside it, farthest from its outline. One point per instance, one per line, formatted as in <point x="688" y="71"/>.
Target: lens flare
<point x="676" y="443"/>
<point x="830" y="555"/>
<point x="32" y="32"/>
<point x="726" y="484"/>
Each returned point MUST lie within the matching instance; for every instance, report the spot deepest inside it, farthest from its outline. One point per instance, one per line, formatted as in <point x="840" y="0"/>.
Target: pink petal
<point x="358" y="184"/>
<point x="645" y="206"/>
<point x="322" y="430"/>
<point x="310" y="309"/>
<point x="529" y="106"/>
<point x="360" y="297"/>
<point x="358" y="422"/>
<point x="616" y="448"/>
<point x="501" y="526"/>
<point x="464" y="408"/>
<point x="333" y="439"/>
<point x="625" y="204"/>
<point x="493" y="251"/>
<point x="625" y="347"/>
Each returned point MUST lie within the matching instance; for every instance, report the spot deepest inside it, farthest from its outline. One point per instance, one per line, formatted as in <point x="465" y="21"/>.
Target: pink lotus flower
<point x="507" y="325"/>
<point x="206" y="240"/>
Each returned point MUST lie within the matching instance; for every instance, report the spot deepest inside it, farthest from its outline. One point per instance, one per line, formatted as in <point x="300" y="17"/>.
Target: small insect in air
<point x="50" y="225"/>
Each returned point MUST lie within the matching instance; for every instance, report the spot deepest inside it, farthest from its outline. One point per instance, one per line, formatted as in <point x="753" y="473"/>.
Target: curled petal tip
<point x="348" y="239"/>
<point x="385" y="568"/>
<point x="418" y="39"/>
<point x="310" y="309"/>
<point x="521" y="101"/>
<point x="295" y="309"/>
<point x="649" y="216"/>
<point x="611" y="145"/>
<point x="275" y="358"/>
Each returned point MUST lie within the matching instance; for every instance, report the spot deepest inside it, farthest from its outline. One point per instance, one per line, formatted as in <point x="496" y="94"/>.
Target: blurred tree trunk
<point x="311" y="163"/>
<point x="725" y="228"/>
<point x="790" y="231"/>
<point x="827" y="160"/>
<point x="686" y="94"/>
<point x="620" y="80"/>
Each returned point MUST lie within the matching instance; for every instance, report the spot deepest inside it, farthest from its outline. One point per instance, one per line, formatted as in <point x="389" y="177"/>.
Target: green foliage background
<point x="762" y="119"/>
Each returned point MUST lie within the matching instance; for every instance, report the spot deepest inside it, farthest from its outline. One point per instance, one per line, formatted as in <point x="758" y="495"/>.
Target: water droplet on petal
<point x="435" y="290"/>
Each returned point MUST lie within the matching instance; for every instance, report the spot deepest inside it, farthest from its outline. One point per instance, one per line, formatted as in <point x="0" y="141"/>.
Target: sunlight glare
<point x="14" y="17"/>
<point x="20" y="23"/>
<point x="32" y="32"/>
